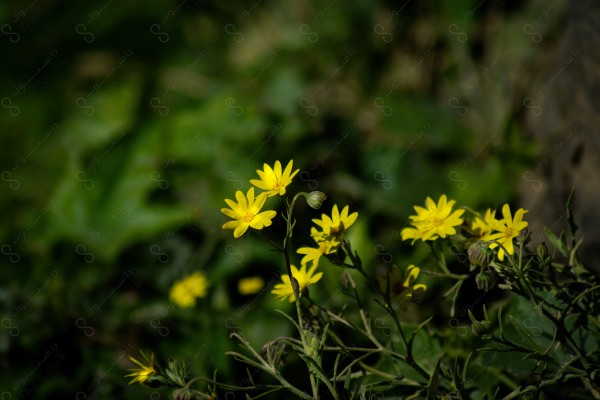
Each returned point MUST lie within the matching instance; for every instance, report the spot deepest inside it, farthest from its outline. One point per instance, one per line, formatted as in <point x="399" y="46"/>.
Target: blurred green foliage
<point x="125" y="125"/>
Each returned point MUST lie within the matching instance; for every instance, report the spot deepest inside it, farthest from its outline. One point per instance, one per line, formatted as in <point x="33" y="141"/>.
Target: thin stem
<point x="306" y="342"/>
<point x="439" y="256"/>
<point x="407" y="348"/>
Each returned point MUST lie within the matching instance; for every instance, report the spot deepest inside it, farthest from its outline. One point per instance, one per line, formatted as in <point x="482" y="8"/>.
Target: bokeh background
<point x="124" y="125"/>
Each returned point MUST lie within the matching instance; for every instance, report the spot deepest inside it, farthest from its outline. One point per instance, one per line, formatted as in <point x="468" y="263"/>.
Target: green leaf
<point x="524" y="335"/>
<point x="421" y="325"/>
<point x="347" y="379"/>
<point x="465" y="366"/>
<point x="570" y="220"/>
<point x="432" y="387"/>
<point x="558" y="242"/>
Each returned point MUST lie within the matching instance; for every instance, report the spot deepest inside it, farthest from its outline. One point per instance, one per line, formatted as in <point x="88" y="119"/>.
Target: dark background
<point x="124" y="125"/>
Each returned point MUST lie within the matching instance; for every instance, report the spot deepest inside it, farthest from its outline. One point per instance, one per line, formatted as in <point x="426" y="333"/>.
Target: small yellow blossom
<point x="333" y="227"/>
<point x="402" y="287"/>
<point x="305" y="278"/>
<point x="483" y="228"/>
<point x="314" y="254"/>
<point x="185" y="291"/>
<point x="146" y="368"/>
<point x="508" y="229"/>
<point x="246" y="213"/>
<point x="273" y="180"/>
<point x="250" y="285"/>
<point x="434" y="221"/>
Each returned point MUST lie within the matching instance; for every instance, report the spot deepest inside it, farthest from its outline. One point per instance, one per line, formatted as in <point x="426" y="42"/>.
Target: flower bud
<point x="542" y="251"/>
<point x="485" y="279"/>
<point x="478" y="254"/>
<point x="315" y="199"/>
<point x="481" y="328"/>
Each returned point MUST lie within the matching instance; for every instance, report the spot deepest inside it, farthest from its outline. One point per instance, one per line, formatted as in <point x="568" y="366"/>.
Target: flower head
<point x="250" y="285"/>
<point x="402" y="287"/>
<point x="508" y="228"/>
<point x="185" y="291"/>
<point x="314" y="254"/>
<point x="437" y="220"/>
<point x="246" y="213"/>
<point x="273" y="180"/>
<point x="333" y="228"/>
<point x="146" y="368"/>
<point x="483" y="228"/>
<point x="305" y="278"/>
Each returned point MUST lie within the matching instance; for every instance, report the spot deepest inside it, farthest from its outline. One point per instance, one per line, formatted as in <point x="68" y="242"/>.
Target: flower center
<point x="508" y="233"/>
<point x="437" y="222"/>
<point x="248" y="217"/>
<point x="336" y="230"/>
<point x="277" y="186"/>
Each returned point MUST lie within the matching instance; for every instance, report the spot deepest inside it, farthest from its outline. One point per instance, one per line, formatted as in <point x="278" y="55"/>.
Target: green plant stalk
<point x="439" y="256"/>
<point x="265" y="367"/>
<point x="558" y="322"/>
<point x="407" y="348"/>
<point x="541" y="357"/>
<point x="305" y="340"/>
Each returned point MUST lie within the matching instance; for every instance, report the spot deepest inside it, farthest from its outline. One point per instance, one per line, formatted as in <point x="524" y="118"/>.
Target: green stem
<point x="407" y="348"/>
<point x="439" y="256"/>
<point x="306" y="342"/>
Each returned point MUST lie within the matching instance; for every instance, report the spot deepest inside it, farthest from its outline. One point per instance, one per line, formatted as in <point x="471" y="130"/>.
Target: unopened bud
<point x="542" y="251"/>
<point x="485" y="279"/>
<point x="478" y="253"/>
<point x="481" y="328"/>
<point x="315" y="199"/>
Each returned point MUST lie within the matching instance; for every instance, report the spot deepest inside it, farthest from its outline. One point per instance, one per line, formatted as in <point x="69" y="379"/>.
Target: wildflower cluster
<point x="432" y="362"/>
<point x="247" y="211"/>
<point x="441" y="221"/>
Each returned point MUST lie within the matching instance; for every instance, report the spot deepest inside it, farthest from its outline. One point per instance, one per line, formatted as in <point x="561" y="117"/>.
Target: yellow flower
<point x="185" y="291"/>
<point x="273" y="180"/>
<point x="146" y="368"/>
<point x="305" y="278"/>
<point x="333" y="228"/>
<point x="314" y="254"/>
<point x="402" y="287"/>
<point x="246" y="213"/>
<point x="483" y="228"/>
<point x="250" y="285"/>
<point x="508" y="229"/>
<point x="434" y="221"/>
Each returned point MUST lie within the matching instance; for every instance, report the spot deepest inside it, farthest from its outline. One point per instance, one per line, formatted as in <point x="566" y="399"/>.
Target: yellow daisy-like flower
<point x="273" y="180"/>
<point x="402" y="287"/>
<point x="185" y="291"/>
<point x="483" y="228"/>
<point x="305" y="278"/>
<point x="146" y="368"/>
<point x="437" y="220"/>
<point x="314" y="254"/>
<point x="250" y="285"/>
<point x="333" y="227"/>
<point x="508" y="229"/>
<point x="246" y="213"/>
